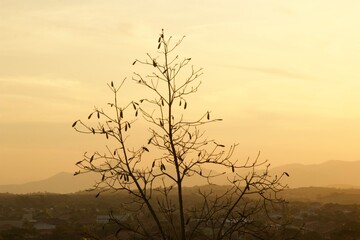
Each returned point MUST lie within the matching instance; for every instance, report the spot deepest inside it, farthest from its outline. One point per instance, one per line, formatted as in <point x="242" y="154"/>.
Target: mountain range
<point x="336" y="174"/>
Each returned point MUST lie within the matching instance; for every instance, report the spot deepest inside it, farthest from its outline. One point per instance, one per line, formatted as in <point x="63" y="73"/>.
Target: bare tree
<point x="158" y="206"/>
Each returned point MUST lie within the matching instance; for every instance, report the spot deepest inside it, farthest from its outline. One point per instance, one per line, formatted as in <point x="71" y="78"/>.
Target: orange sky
<point x="284" y="74"/>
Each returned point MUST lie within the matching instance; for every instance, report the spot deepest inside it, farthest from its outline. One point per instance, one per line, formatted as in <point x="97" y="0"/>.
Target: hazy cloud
<point x="278" y="72"/>
<point x="37" y="81"/>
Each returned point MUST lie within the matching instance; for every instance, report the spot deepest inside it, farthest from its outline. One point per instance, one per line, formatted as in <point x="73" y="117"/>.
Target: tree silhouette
<point x="159" y="206"/>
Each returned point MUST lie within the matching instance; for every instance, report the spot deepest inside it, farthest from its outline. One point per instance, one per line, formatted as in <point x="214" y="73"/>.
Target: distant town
<point x="313" y="213"/>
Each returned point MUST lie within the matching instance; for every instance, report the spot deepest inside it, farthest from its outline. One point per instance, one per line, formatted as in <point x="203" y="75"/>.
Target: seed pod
<point x="92" y="158"/>
<point x="121" y="113"/>
<point x="153" y="164"/>
<point x="232" y="168"/>
<point x="159" y="45"/>
<point x="98" y="114"/>
<point x="134" y="106"/>
<point x="162" y="101"/>
<point x="154" y="63"/>
<point x="90" y="115"/>
<point x="161" y="123"/>
<point x="136" y="113"/>
<point x="114" y="152"/>
<point x="185" y="105"/>
<point x="286" y="174"/>
<point x="97" y="195"/>
<point x="208" y="116"/>
<point x="146" y="149"/>
<point x="93" y="130"/>
<point x="107" y="136"/>
<point x="73" y="125"/>
<point x="112" y="84"/>
<point x="126" y="127"/>
<point x="150" y="140"/>
<point x="162" y="167"/>
<point x="134" y="62"/>
<point x="103" y="177"/>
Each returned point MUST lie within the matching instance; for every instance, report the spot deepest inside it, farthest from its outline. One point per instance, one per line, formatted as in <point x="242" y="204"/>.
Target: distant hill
<point x="336" y="174"/>
<point x="60" y="183"/>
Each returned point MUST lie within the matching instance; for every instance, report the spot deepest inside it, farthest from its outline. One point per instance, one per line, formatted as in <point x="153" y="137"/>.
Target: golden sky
<point x="284" y="74"/>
